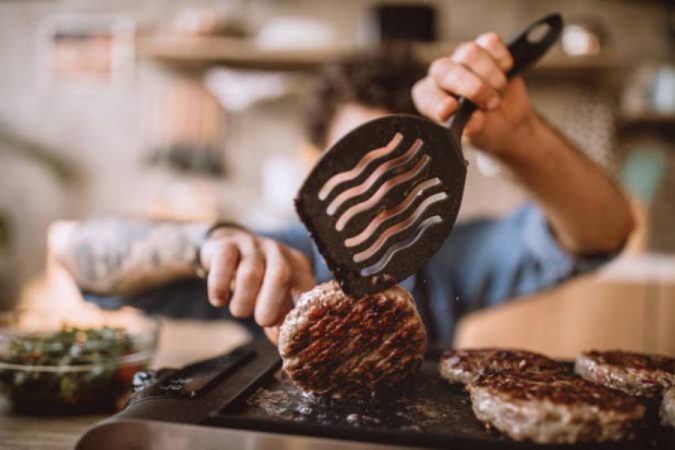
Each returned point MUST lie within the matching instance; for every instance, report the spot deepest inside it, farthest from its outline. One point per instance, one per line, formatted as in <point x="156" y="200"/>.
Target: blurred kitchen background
<point x="193" y="109"/>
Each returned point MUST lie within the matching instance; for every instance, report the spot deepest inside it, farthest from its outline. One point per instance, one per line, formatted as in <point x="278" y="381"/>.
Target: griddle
<point x="243" y="400"/>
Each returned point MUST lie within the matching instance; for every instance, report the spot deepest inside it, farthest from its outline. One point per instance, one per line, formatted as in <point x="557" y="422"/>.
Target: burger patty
<point x="334" y="344"/>
<point x="667" y="410"/>
<point x="552" y="408"/>
<point x="463" y="366"/>
<point x="634" y="373"/>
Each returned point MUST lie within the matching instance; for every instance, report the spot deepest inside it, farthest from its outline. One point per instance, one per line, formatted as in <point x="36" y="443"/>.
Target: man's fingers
<point x="222" y="264"/>
<point x="480" y="62"/>
<point x="261" y="274"/>
<point x="249" y="277"/>
<point x="455" y="78"/>
<point x="276" y="285"/>
<point x="303" y="275"/>
<point x="432" y="101"/>
<point x="287" y="272"/>
<point x="475" y="71"/>
<point x="272" y="334"/>
<point x="497" y="49"/>
<point x="475" y="124"/>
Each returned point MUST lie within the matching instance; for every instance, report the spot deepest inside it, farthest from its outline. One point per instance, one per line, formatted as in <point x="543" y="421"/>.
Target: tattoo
<point x="115" y="256"/>
<point x="84" y="258"/>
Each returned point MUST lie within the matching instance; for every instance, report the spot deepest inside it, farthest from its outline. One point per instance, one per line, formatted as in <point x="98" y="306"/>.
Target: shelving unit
<point x="200" y="52"/>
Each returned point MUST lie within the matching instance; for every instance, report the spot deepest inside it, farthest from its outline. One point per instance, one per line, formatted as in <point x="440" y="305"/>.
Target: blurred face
<point x="348" y="117"/>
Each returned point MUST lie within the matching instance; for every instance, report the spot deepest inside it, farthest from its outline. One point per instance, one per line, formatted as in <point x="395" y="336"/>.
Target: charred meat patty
<point x="552" y="408"/>
<point x="636" y="374"/>
<point x="463" y="366"/>
<point x="667" y="411"/>
<point x="338" y="345"/>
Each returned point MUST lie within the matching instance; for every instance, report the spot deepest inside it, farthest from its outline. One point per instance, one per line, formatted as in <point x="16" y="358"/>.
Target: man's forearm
<point x="117" y="256"/>
<point x="587" y="211"/>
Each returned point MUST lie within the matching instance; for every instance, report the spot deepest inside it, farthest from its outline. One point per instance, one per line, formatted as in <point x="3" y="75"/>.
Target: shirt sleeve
<point x="182" y="299"/>
<point x="489" y="261"/>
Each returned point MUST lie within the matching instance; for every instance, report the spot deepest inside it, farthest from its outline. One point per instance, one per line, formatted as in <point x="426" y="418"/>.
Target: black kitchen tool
<point x="384" y="198"/>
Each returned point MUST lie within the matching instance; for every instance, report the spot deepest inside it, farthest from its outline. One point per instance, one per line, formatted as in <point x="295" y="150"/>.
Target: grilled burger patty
<point x="634" y="373"/>
<point x="667" y="411"/>
<point x="552" y="408"/>
<point x="334" y="344"/>
<point x="463" y="366"/>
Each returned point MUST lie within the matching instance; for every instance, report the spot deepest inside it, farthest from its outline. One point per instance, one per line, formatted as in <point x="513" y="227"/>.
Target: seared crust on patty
<point x="552" y="408"/>
<point x="463" y="366"/>
<point x="637" y="374"/>
<point x="335" y="344"/>
<point x="667" y="411"/>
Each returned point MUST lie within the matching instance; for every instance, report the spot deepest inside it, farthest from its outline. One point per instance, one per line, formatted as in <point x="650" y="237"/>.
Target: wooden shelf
<point x="196" y="52"/>
<point x="647" y="122"/>
<point x="555" y="63"/>
<point x="650" y="117"/>
<point x="236" y="52"/>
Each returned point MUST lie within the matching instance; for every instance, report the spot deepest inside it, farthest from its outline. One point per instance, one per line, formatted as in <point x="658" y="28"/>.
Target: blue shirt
<point x="481" y="264"/>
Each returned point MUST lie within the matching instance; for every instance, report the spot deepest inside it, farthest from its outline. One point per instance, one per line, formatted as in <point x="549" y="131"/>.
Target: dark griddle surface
<point x="429" y="413"/>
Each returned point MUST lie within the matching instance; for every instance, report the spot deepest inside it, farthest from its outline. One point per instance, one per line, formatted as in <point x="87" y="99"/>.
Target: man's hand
<point x="262" y="275"/>
<point x="477" y="70"/>
<point x="586" y="210"/>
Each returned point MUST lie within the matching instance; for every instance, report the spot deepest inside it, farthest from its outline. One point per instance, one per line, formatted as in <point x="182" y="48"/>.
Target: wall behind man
<point x="100" y="133"/>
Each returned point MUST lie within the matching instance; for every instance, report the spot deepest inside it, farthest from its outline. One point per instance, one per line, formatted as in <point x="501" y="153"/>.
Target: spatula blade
<point x="382" y="200"/>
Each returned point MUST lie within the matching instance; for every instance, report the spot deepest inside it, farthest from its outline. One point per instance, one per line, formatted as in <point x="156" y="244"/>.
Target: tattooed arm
<point x="125" y="256"/>
<point x="256" y="276"/>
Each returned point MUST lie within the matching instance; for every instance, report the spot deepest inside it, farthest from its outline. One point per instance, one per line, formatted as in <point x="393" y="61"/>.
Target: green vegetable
<point x="70" y="371"/>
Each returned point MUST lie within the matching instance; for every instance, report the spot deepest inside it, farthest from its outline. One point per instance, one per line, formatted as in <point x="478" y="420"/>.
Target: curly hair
<point x="381" y="78"/>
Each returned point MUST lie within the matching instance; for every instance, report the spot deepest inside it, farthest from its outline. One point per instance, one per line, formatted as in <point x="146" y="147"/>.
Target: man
<point x="581" y="218"/>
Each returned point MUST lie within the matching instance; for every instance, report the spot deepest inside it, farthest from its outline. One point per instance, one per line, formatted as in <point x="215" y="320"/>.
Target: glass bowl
<point x="53" y="364"/>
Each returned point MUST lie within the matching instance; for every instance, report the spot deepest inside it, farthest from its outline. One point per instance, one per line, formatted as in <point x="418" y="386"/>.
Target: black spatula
<point x="383" y="199"/>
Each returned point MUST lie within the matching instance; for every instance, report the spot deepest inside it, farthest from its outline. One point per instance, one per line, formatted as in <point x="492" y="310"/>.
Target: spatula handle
<point x="526" y="49"/>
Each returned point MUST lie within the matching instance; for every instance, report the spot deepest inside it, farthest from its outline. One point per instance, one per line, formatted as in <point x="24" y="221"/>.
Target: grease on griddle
<point x="405" y="410"/>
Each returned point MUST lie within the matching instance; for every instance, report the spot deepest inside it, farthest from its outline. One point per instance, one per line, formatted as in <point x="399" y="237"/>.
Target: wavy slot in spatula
<point x="383" y="199"/>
